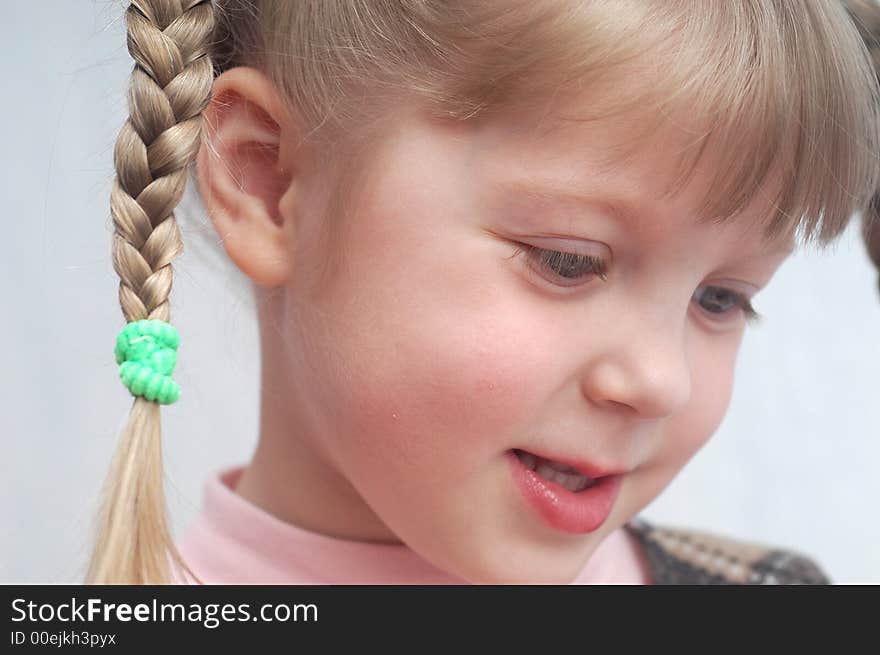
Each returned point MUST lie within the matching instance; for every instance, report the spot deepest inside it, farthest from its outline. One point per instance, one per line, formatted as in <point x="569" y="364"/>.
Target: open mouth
<point x="562" y="494"/>
<point x="562" y="474"/>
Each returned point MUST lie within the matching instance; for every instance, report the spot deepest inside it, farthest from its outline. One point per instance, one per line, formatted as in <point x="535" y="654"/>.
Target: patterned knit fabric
<point x="692" y="557"/>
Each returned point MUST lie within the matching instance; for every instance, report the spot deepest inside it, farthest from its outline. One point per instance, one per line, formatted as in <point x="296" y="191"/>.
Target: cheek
<point x="449" y="390"/>
<point x="712" y="388"/>
<point x="435" y="363"/>
<point x="439" y="367"/>
<point x="683" y="435"/>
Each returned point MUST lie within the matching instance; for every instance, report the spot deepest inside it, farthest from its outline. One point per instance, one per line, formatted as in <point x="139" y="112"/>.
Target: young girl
<point x="503" y="253"/>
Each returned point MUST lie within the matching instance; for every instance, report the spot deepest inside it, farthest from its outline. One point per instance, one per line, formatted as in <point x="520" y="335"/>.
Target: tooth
<point x="545" y="471"/>
<point x="556" y="476"/>
<point x="584" y="483"/>
<point x="571" y="482"/>
<point x="562" y="468"/>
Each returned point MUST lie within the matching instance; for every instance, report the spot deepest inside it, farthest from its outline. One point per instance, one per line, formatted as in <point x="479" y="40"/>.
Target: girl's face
<point x="437" y="344"/>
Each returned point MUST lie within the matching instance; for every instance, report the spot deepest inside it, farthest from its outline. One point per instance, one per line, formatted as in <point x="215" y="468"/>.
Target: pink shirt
<point x="232" y="541"/>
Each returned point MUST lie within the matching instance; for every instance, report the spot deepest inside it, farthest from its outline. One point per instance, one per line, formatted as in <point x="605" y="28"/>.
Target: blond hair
<point x="775" y="84"/>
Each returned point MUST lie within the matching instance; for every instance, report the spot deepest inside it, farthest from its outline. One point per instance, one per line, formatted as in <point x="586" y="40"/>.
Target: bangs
<point x="783" y="92"/>
<point x="792" y="93"/>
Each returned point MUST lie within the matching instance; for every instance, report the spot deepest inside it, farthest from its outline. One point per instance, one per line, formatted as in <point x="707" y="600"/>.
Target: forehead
<point x="627" y="166"/>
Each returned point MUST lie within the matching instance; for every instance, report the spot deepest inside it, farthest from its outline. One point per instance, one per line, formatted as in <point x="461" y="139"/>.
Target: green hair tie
<point x="146" y="352"/>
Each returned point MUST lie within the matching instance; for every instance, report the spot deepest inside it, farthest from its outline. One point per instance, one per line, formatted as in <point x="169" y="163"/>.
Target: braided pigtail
<point x="866" y="15"/>
<point x="170" y="86"/>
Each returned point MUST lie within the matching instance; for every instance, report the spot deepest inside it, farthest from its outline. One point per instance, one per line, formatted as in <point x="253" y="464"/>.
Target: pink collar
<point x="232" y="541"/>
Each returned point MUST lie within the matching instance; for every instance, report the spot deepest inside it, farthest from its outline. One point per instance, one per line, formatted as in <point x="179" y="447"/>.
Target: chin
<point x="520" y="572"/>
<point x="523" y="578"/>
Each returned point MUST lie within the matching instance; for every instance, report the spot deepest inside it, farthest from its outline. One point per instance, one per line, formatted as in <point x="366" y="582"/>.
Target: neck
<point x="289" y="476"/>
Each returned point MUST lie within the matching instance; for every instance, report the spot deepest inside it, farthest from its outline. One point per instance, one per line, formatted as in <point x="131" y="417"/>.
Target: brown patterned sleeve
<point x="681" y="556"/>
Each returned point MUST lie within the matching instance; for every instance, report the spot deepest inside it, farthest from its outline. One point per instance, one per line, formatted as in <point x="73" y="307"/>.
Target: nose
<point x="646" y="368"/>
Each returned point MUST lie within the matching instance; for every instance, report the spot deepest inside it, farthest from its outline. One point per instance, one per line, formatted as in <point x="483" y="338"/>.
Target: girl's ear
<point x="245" y="165"/>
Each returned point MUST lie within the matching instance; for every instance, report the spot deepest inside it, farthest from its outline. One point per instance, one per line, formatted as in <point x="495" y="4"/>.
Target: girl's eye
<point x="721" y="300"/>
<point x="563" y="266"/>
<point x="572" y="267"/>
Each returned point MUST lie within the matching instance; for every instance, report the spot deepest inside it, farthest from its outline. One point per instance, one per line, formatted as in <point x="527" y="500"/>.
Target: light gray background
<point x="793" y="464"/>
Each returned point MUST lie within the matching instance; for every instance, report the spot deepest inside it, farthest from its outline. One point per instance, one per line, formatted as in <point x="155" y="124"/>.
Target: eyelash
<point x="551" y="259"/>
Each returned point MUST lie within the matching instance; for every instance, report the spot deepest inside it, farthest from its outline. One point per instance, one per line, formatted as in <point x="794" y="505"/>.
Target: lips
<point x="574" y="512"/>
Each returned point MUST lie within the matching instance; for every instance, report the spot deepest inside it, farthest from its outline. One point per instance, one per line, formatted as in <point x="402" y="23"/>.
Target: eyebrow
<point x="618" y="207"/>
